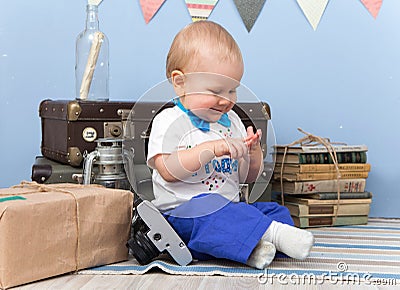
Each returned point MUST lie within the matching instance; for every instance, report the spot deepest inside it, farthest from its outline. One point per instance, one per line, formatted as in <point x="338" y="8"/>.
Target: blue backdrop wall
<point x="341" y="81"/>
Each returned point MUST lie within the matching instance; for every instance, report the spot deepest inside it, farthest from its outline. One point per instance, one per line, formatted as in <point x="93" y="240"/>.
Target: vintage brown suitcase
<point x="48" y="171"/>
<point x="69" y="128"/>
<point x="137" y="131"/>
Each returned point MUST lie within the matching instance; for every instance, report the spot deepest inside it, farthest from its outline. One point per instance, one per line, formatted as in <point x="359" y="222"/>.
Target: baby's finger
<point x="240" y="148"/>
<point x="251" y="140"/>
<point x="232" y="149"/>
<point x="251" y="135"/>
<point x="250" y="131"/>
<point x="259" y="133"/>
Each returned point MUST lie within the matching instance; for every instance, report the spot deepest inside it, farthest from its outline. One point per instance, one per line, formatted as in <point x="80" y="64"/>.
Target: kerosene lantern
<point x="105" y="165"/>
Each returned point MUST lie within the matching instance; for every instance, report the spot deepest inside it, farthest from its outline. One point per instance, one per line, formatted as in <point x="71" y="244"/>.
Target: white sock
<point x="292" y="241"/>
<point x="262" y="255"/>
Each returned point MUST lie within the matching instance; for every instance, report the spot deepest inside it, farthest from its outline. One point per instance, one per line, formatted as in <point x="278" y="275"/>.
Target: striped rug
<point x="366" y="253"/>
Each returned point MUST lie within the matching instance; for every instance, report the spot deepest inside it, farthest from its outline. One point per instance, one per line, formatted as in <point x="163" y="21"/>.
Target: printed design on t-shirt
<point x="214" y="181"/>
<point x="215" y="173"/>
<point x="227" y="134"/>
<point x="220" y="170"/>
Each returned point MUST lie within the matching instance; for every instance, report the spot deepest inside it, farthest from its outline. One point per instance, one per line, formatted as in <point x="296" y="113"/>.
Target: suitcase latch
<point x="112" y="129"/>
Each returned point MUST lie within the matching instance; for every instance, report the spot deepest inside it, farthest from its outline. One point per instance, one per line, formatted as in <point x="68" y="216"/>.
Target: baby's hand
<point x="252" y="138"/>
<point x="238" y="148"/>
<point x="235" y="148"/>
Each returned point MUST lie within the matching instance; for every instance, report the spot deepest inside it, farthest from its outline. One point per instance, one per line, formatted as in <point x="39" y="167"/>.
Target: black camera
<point x="152" y="235"/>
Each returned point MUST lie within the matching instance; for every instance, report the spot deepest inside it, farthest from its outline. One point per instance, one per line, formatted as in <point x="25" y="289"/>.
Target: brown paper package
<point x="59" y="228"/>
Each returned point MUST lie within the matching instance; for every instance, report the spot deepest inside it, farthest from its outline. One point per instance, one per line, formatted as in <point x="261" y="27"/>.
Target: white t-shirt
<point x="171" y="131"/>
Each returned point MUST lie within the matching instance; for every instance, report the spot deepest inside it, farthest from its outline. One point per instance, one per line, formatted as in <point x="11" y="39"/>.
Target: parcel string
<point x="62" y="188"/>
<point x="313" y="140"/>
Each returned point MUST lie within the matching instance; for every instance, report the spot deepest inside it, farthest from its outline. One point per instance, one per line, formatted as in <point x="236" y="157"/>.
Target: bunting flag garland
<point x="200" y="9"/>
<point x="249" y="11"/>
<point x="150" y="8"/>
<point x="373" y="6"/>
<point x="313" y="10"/>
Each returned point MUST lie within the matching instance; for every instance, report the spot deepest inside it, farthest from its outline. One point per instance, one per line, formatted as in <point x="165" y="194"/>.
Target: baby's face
<point x="211" y="91"/>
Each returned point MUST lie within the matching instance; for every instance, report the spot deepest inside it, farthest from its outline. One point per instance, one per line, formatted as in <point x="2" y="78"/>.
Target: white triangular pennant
<point x="313" y="10"/>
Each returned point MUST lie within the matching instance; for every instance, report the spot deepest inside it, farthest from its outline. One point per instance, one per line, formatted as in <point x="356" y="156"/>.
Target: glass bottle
<point x="92" y="67"/>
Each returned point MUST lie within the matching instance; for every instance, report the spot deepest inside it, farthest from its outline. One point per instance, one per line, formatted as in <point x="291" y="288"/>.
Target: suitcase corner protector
<point x="74" y="110"/>
<point x="74" y="156"/>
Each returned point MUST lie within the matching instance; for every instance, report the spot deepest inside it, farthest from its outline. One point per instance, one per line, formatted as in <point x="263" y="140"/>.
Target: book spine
<point x="306" y="222"/>
<point x="303" y="210"/>
<point x="306" y="210"/>
<point x="345" y="185"/>
<point x="320" y="176"/>
<point x="337" y="148"/>
<point x="343" y="195"/>
<point x="325" y="158"/>
<point x="307" y="168"/>
<point x="320" y="149"/>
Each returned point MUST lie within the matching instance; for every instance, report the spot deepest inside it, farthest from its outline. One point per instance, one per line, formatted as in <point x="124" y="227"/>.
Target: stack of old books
<point x="310" y="184"/>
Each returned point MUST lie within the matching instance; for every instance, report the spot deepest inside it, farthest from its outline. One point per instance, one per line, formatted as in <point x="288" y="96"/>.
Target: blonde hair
<point x="193" y="38"/>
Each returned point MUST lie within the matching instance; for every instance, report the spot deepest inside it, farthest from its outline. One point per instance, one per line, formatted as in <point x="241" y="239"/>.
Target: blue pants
<point x="213" y="227"/>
